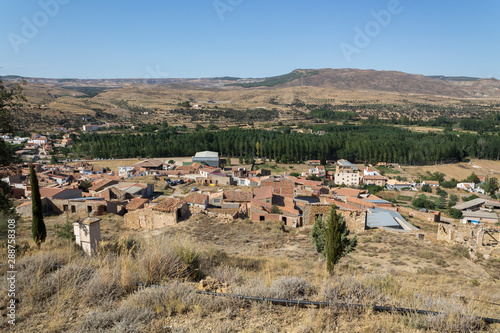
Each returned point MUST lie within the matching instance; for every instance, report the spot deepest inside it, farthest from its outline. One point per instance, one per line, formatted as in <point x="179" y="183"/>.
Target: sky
<point x="246" y="38"/>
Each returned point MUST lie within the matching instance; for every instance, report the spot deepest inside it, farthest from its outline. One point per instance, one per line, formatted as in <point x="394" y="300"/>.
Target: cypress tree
<point x="337" y="242"/>
<point x="38" y="230"/>
<point x="318" y="235"/>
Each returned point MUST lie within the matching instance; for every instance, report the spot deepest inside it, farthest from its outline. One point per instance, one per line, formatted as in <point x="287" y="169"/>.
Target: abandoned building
<point x="158" y="215"/>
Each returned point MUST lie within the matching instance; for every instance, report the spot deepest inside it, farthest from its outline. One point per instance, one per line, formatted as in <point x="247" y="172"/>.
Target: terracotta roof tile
<point x="197" y="198"/>
<point x="169" y="205"/>
<point x="136" y="203"/>
<point x="234" y="196"/>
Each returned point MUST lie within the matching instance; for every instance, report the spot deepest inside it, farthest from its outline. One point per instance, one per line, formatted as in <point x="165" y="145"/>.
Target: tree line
<point x="364" y="143"/>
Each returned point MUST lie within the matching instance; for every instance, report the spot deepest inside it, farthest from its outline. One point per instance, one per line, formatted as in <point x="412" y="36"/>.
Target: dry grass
<point x="63" y="290"/>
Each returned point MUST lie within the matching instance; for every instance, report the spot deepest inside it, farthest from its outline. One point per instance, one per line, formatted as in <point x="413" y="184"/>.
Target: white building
<point x="90" y="128"/>
<point x="347" y="174"/>
<point x="471" y="187"/>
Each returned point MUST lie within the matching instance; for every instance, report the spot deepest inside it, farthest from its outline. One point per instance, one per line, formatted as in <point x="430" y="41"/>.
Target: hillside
<point x="61" y="289"/>
<point x="337" y="79"/>
<point x="386" y="81"/>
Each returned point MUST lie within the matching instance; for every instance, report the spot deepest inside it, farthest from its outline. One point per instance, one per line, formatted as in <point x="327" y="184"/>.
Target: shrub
<point x="455" y="213"/>
<point x="290" y="287"/>
<point x="426" y="188"/>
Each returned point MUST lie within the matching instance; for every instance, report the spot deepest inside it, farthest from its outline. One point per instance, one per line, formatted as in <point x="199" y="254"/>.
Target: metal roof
<point x="480" y="214"/>
<point x="471" y="203"/>
<point x="347" y="163"/>
<point x="205" y="154"/>
<point x="377" y="218"/>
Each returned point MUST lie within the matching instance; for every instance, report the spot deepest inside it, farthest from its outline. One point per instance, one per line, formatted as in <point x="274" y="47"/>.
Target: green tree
<point x="426" y="188"/>
<point x="472" y="178"/>
<point x="453" y="200"/>
<point x="85" y="185"/>
<point x="337" y="241"/>
<point x="65" y="231"/>
<point x="10" y="102"/>
<point x="38" y="230"/>
<point x="490" y="185"/>
<point x="318" y="235"/>
<point x="275" y="210"/>
<point x="455" y="213"/>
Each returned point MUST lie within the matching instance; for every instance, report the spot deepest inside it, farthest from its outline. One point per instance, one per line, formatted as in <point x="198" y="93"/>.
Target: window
<point x="262" y="218"/>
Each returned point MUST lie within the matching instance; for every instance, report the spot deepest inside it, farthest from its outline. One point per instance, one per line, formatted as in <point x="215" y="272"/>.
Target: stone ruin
<point x="480" y="237"/>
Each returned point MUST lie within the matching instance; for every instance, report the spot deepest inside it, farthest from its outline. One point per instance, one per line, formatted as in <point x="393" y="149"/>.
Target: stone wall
<point x="311" y="211"/>
<point x="430" y="216"/>
<point x="471" y="235"/>
<point x="149" y="219"/>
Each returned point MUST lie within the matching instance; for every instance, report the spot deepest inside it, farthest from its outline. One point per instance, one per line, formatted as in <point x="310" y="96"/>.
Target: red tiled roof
<point x="101" y="184"/>
<point x="197" y="198"/>
<point x="49" y="191"/>
<point x="136" y="203"/>
<point x="263" y="192"/>
<point x="169" y="205"/>
<point x="349" y="192"/>
<point x="234" y="196"/>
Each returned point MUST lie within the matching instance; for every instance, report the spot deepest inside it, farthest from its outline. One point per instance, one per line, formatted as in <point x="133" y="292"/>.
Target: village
<point x="157" y="193"/>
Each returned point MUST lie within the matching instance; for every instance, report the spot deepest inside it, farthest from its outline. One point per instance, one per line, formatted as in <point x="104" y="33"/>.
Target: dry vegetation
<point x="60" y="289"/>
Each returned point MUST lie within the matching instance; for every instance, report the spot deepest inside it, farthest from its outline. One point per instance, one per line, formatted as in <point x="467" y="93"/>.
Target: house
<point x="318" y="171"/>
<point x="113" y="193"/>
<point x="90" y="128"/>
<point x="369" y="171"/>
<point x="13" y="179"/>
<point x="263" y="194"/>
<point x="346" y="173"/>
<point x="215" y="199"/>
<point x="432" y="183"/>
<point x="150" y="166"/>
<point x="233" y="199"/>
<point x="198" y="200"/>
<point x="218" y="178"/>
<point x="281" y="186"/>
<point x="60" y="179"/>
<point x="59" y="193"/>
<point x="124" y="171"/>
<point x="158" y="215"/>
<point x="207" y="157"/>
<point x="470" y="187"/>
<point x="287" y="212"/>
<point x="136" y="189"/>
<point x="375" y="180"/>
<point x="101" y="185"/>
<point x="394" y="184"/>
<point x="136" y="203"/>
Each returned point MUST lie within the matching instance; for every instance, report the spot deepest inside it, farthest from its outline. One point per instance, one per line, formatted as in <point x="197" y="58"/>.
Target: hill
<point x="385" y="81"/>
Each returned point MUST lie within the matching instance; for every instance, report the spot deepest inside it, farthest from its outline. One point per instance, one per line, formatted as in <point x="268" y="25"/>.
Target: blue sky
<point x="246" y="38"/>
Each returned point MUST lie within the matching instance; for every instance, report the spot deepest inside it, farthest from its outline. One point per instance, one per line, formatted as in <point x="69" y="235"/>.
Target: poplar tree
<point x="38" y="230"/>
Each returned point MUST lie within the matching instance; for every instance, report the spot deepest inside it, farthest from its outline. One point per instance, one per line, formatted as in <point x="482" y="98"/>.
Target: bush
<point x="65" y="231"/>
<point x="426" y="188"/>
<point x="469" y="198"/>
<point x="455" y="213"/>
<point x="290" y="287"/>
<point x="442" y="193"/>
